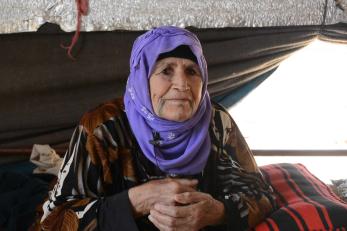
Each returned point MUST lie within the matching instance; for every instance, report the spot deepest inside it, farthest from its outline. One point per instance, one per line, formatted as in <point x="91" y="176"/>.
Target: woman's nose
<point x="180" y="81"/>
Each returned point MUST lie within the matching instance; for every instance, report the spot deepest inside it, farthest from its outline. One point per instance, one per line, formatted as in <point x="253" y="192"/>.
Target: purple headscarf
<point x="183" y="147"/>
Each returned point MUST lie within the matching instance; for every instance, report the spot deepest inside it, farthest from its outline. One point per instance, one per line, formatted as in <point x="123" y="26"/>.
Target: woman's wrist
<point x="137" y="202"/>
<point x="219" y="216"/>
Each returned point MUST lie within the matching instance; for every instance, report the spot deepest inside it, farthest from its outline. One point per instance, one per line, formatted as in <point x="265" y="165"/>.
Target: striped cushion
<point x="305" y="202"/>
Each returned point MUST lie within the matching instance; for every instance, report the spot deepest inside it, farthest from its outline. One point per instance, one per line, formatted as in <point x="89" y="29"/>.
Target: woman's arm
<point x="246" y="196"/>
<point x="77" y="201"/>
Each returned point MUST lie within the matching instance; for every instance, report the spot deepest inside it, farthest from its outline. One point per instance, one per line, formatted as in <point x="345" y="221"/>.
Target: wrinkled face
<point x="175" y="88"/>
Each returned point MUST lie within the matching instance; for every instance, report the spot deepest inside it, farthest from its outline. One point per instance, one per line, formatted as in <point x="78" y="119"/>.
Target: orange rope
<point x="82" y="9"/>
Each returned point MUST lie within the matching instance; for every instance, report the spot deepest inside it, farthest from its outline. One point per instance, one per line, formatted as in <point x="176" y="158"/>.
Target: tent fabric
<point x="44" y="93"/>
<point x="228" y="100"/>
<point x="108" y="15"/>
<point x="335" y="33"/>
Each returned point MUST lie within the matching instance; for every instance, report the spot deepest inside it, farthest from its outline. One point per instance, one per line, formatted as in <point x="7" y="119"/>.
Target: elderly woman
<point x="164" y="158"/>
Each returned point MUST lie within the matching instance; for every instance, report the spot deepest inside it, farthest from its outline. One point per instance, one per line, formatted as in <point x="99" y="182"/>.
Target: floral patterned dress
<point x="104" y="160"/>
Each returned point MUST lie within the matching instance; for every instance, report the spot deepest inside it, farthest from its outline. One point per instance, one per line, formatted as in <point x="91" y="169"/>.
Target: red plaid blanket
<point x="305" y="202"/>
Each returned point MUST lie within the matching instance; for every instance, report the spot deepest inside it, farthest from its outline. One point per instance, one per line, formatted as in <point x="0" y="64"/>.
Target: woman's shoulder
<point x="102" y="113"/>
<point x="221" y="118"/>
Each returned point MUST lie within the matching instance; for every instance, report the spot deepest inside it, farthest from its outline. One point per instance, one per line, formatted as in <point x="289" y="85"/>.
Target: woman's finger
<point x="172" y="211"/>
<point x="175" y="186"/>
<point x="187" y="182"/>
<point x="173" y="223"/>
<point x="182" y="185"/>
<point x="191" y="197"/>
<point x="156" y="223"/>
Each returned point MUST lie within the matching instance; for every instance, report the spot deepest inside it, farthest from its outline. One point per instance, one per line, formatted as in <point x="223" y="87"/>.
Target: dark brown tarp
<point x="43" y="93"/>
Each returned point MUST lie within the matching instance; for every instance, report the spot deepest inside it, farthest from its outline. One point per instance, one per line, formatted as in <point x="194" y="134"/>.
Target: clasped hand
<point x="175" y="204"/>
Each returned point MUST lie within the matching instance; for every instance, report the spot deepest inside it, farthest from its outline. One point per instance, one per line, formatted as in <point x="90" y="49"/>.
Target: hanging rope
<point x="82" y="9"/>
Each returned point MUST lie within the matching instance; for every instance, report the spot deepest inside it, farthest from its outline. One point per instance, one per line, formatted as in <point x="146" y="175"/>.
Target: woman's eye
<point x="193" y="72"/>
<point x="166" y="71"/>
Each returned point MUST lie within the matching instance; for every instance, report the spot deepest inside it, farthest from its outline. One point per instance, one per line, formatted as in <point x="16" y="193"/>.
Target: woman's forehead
<point x="174" y="61"/>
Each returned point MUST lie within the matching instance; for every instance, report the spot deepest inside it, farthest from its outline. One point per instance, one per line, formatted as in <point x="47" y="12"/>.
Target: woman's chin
<point x="178" y="114"/>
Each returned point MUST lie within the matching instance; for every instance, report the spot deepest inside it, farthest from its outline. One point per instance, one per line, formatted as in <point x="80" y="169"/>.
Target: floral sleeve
<point x="89" y="193"/>
<point x="71" y="201"/>
<point x="246" y="196"/>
